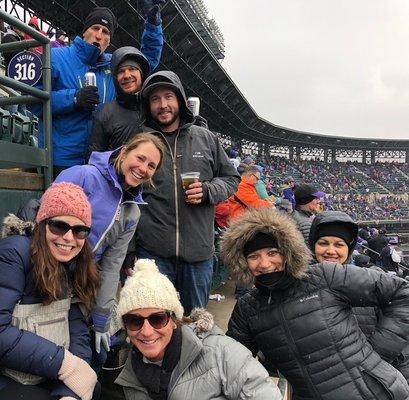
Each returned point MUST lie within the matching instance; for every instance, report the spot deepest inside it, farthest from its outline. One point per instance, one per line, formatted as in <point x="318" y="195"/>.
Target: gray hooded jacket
<point x="212" y="366"/>
<point x="170" y="227"/>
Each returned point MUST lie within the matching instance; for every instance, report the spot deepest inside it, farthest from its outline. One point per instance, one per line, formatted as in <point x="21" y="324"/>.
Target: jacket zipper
<point x="175" y="187"/>
<point x="295" y="353"/>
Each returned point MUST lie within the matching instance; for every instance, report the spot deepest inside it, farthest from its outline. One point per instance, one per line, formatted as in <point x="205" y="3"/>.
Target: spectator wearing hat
<point x="300" y="316"/>
<point x="121" y="119"/>
<point x="376" y="243"/>
<point x="246" y="195"/>
<point x="74" y="105"/>
<point x="180" y="358"/>
<point x="307" y="199"/>
<point x="288" y="192"/>
<point x="389" y="256"/>
<point x="60" y="37"/>
<point x="48" y="278"/>
<point x="185" y="217"/>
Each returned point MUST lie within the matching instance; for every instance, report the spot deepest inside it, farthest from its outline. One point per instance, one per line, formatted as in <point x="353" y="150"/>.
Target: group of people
<point x="334" y="330"/>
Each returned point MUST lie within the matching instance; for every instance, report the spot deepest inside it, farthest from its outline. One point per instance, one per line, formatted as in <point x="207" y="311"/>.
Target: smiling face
<point x="265" y="260"/>
<point x="149" y="341"/>
<point x="331" y="248"/>
<point x="164" y="108"/>
<point x="129" y="79"/>
<point x="139" y="165"/>
<point x="98" y="35"/>
<point x="64" y="247"/>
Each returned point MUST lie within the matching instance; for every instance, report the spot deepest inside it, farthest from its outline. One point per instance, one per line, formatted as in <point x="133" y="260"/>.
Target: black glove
<point x="153" y="15"/>
<point x="87" y="98"/>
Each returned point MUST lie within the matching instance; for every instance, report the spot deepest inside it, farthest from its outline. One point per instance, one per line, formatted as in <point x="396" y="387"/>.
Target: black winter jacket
<point x="170" y="227"/>
<point x="120" y="119"/>
<point x="305" y="326"/>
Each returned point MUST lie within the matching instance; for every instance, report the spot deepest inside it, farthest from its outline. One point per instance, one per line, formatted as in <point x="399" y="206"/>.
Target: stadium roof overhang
<point x="186" y="53"/>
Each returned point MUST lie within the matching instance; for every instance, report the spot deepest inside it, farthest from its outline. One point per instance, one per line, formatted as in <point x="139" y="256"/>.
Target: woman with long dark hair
<point x="48" y="282"/>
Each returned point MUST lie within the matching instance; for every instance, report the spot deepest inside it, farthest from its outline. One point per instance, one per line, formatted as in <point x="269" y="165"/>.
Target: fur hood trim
<point x="290" y="241"/>
<point x="12" y="225"/>
<point x="201" y="320"/>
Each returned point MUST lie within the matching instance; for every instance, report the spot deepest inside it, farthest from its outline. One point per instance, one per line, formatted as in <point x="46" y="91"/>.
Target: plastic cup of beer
<point x="188" y="178"/>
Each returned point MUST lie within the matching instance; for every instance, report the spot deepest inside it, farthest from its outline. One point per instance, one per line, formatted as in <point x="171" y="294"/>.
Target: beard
<point x="169" y="122"/>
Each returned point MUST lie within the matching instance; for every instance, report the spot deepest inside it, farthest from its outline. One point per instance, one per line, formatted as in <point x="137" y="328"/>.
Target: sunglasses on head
<point x="60" y="228"/>
<point x="135" y="322"/>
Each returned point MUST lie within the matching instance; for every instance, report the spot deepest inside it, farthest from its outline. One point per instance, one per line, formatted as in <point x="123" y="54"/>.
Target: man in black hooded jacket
<point x="121" y="119"/>
<point x="177" y="226"/>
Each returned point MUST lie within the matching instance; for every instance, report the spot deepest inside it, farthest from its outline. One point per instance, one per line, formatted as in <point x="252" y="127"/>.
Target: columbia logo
<point x="314" y="296"/>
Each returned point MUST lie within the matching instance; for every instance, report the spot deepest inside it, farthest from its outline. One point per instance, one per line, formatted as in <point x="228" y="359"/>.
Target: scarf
<point x="156" y="378"/>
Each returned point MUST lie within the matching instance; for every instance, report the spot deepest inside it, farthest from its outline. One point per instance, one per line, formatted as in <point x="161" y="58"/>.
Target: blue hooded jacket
<point x="71" y="128"/>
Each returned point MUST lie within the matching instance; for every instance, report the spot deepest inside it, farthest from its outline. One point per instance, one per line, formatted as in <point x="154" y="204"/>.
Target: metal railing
<point x="17" y="155"/>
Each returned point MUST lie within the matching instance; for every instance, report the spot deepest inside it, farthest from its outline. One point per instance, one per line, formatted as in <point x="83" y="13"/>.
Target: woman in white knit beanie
<point x="174" y="357"/>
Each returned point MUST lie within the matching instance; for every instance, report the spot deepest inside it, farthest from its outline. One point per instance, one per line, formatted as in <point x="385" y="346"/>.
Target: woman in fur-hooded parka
<point x="303" y="322"/>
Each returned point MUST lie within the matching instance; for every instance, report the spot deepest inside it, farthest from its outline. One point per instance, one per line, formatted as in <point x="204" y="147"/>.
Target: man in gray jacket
<point x="177" y="226"/>
<point x="308" y="200"/>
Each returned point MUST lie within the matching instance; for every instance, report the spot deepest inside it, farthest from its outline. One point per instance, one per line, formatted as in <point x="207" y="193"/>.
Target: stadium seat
<point x="21" y="129"/>
<point x="6" y="123"/>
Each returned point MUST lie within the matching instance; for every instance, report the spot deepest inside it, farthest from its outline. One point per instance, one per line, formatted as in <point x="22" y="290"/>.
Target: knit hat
<point x="129" y="62"/>
<point x="148" y="288"/>
<point x="102" y="16"/>
<point x="65" y="198"/>
<point x="259" y="241"/>
<point x="307" y="193"/>
<point x="342" y="230"/>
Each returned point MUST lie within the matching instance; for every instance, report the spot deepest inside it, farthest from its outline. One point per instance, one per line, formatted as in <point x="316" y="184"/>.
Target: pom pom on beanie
<point x="148" y="288"/>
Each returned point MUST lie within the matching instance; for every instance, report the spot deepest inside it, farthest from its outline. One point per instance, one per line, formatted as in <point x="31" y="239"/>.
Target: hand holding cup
<point x="193" y="187"/>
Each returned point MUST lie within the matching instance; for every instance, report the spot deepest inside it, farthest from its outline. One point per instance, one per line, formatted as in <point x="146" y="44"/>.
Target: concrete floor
<point x="222" y="309"/>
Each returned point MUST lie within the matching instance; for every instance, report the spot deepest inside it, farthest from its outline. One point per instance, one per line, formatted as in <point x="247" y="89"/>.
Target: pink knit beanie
<point x="62" y="199"/>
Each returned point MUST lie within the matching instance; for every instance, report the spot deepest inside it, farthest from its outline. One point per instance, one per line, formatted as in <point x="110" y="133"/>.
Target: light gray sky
<point x="324" y="66"/>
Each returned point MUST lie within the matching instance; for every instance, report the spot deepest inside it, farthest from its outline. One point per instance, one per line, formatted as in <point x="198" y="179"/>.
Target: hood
<point x="334" y="217"/>
<point x="12" y="225"/>
<point x="118" y="56"/>
<point x="202" y="320"/>
<point x="290" y="241"/>
<point x="168" y="79"/>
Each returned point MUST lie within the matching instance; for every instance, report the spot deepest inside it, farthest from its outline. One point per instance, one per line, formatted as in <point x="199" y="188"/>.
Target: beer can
<point x="193" y="104"/>
<point x="90" y="79"/>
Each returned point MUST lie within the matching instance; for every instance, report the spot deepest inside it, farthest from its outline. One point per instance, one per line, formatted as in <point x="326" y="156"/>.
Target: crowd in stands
<point x="366" y="192"/>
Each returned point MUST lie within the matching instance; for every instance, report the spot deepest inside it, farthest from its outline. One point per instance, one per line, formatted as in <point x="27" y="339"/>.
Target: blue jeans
<point x="193" y="281"/>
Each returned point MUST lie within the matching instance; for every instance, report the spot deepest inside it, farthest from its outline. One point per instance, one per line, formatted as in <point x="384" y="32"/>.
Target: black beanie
<point x="337" y="229"/>
<point x="259" y="241"/>
<point x="102" y="16"/>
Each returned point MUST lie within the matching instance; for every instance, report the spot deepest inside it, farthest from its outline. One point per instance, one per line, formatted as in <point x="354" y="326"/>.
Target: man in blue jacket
<point x="73" y="103"/>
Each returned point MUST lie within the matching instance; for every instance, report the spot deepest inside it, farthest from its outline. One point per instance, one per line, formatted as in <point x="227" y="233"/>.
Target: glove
<point x="77" y="375"/>
<point x="153" y="15"/>
<point x="104" y="338"/>
<point x="87" y="98"/>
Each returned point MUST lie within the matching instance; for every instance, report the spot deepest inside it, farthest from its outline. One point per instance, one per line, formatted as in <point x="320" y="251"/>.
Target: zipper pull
<point x="269" y="298"/>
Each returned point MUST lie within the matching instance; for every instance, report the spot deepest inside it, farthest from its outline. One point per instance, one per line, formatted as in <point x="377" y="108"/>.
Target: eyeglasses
<point x="60" y="228"/>
<point x="257" y="177"/>
<point x="135" y="322"/>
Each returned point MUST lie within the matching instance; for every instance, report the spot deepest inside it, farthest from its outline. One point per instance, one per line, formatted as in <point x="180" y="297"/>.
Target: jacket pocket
<point x="385" y="382"/>
<point x="50" y="322"/>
